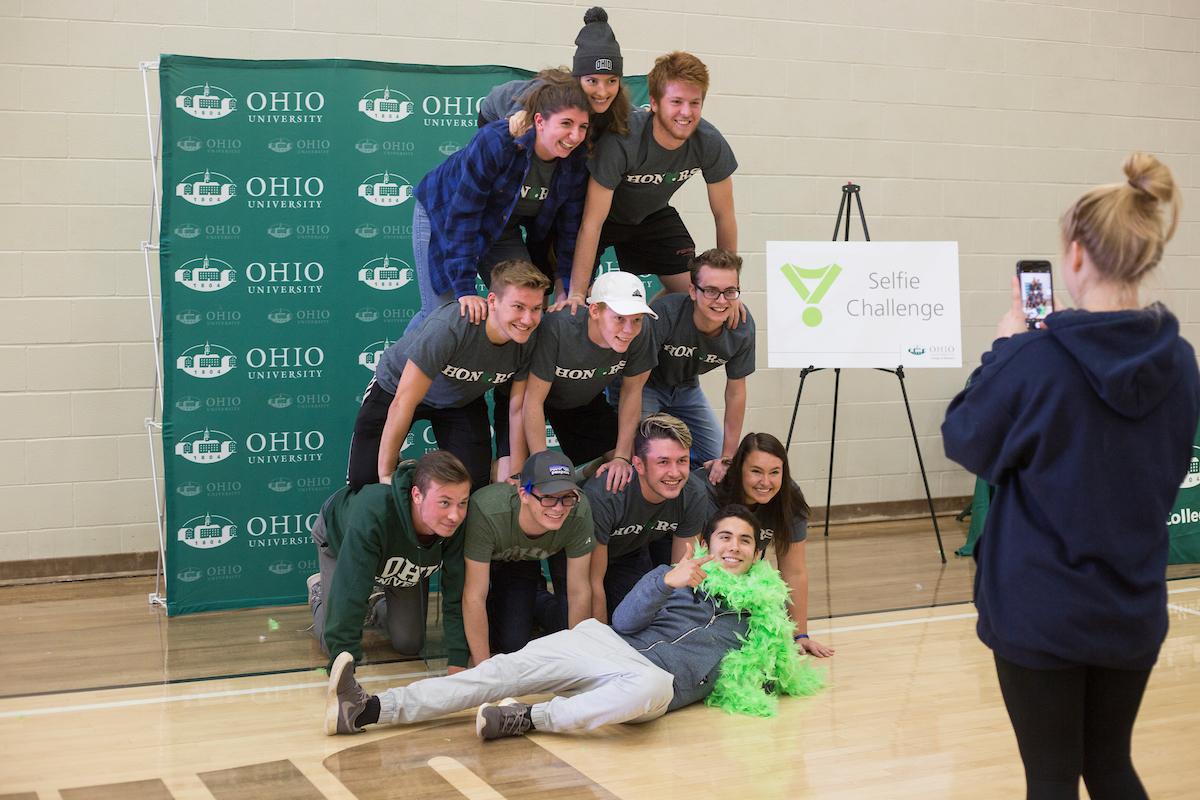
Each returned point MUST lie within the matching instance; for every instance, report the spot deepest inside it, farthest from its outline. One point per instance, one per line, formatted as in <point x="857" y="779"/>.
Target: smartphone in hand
<point x="1037" y="291"/>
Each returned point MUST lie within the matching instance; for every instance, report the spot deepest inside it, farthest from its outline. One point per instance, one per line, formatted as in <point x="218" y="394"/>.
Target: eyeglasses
<point x="712" y="292"/>
<point x="550" y="501"/>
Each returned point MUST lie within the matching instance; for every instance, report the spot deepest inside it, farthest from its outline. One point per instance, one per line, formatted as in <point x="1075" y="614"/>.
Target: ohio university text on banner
<point x="287" y="269"/>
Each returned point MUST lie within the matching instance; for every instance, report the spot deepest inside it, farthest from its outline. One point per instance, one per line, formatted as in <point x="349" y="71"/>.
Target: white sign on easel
<point x="863" y="304"/>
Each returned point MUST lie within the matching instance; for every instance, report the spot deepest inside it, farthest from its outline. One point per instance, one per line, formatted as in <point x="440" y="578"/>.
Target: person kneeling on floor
<point x="712" y="627"/>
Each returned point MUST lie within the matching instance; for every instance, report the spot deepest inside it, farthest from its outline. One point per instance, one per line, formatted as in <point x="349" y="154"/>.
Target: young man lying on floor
<point x="713" y="627"/>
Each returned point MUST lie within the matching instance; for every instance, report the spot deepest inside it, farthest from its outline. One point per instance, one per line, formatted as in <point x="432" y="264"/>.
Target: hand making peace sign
<point x="688" y="571"/>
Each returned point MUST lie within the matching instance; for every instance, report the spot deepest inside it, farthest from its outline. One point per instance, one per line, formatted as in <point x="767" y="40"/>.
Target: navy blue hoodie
<point x="1086" y="430"/>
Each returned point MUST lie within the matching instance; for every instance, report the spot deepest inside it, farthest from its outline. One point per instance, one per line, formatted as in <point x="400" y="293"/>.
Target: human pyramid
<point x="637" y="619"/>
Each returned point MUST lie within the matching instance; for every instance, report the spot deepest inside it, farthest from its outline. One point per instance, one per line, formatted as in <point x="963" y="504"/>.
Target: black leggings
<point x="1072" y="722"/>
<point x="463" y="431"/>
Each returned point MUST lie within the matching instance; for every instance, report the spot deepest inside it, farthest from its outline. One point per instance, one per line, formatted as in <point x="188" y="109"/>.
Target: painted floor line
<point x="149" y="701"/>
<point x="896" y="623"/>
<point x="1183" y="609"/>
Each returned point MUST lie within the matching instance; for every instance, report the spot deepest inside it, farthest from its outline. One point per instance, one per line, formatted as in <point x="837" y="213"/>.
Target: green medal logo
<point x="824" y="278"/>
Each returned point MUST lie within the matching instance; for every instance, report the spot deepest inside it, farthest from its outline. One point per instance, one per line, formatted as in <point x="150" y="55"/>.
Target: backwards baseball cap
<point x="596" y="49"/>
<point x="623" y="292"/>
<point x="549" y="472"/>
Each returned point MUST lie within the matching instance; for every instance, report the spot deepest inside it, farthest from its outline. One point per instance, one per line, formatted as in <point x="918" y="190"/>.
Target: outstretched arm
<point x="597" y="570"/>
<point x="579" y="589"/>
<point x="720" y="201"/>
<point x="409" y="393"/>
<point x="474" y="609"/>
<point x="595" y="212"/>
<point x="793" y="567"/>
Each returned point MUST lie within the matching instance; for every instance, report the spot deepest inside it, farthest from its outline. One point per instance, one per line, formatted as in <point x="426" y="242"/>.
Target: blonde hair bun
<point x="1150" y="177"/>
<point x="1122" y="225"/>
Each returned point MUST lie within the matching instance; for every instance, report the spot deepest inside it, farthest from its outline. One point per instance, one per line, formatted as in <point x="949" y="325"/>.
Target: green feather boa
<point x="767" y="664"/>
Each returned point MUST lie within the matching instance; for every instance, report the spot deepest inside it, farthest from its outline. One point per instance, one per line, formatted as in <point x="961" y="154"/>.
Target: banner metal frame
<point x="154" y="423"/>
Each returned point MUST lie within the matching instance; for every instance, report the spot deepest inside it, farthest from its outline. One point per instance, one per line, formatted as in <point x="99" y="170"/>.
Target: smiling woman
<point x="481" y="205"/>
<point x="758" y="476"/>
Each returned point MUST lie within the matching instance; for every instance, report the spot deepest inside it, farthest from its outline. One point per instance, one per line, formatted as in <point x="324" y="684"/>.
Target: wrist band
<point x="799" y="636"/>
<point x="623" y="458"/>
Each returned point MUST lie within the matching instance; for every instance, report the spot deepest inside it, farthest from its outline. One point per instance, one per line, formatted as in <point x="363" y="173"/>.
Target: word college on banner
<point x="287" y="269"/>
<point x="863" y="304"/>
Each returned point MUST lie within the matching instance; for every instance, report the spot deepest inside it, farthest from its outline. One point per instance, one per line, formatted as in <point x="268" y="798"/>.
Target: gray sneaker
<point x="344" y="699"/>
<point x="314" y="589"/>
<point x="506" y="718"/>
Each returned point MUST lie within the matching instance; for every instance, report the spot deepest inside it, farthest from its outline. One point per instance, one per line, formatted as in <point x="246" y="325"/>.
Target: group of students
<point x="561" y="168"/>
<point x="378" y="545"/>
<point x="1070" y="586"/>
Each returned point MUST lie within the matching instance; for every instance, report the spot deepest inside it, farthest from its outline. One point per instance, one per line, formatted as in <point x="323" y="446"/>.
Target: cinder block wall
<point x="970" y="120"/>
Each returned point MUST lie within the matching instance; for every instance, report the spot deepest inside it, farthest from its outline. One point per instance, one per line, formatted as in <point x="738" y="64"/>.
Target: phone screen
<point x="1037" y="291"/>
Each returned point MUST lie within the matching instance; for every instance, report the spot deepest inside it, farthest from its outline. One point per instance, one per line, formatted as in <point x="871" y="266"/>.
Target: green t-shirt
<point x="494" y="534"/>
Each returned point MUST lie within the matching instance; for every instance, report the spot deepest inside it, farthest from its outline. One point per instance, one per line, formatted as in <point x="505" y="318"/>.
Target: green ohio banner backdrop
<point x="286" y="267"/>
<point x="1184" y="522"/>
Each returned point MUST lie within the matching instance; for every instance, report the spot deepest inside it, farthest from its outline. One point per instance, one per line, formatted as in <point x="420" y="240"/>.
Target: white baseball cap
<point x="623" y="292"/>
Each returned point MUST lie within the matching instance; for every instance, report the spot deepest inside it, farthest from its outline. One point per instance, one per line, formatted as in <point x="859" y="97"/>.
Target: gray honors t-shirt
<point x="644" y="175"/>
<point x="459" y="357"/>
<point x="626" y="522"/>
<point x="578" y="369"/>
<point x="684" y="353"/>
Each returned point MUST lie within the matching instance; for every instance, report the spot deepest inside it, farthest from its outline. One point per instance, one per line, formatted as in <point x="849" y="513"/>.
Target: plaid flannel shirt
<point x="471" y="195"/>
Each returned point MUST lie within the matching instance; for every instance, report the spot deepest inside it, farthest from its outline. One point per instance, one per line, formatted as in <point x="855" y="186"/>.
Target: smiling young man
<point x="633" y="178"/>
<point x="392" y="537"/>
<point x="673" y="641"/>
<point x="692" y="339"/>
<point x="508" y="531"/>
<point x="665" y="503"/>
<point x="576" y="357"/>
<point x="440" y="372"/>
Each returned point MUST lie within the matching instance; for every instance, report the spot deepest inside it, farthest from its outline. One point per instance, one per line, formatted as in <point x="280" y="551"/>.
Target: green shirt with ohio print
<point x="493" y="532"/>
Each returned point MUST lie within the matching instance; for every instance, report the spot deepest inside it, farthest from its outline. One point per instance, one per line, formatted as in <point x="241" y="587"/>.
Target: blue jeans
<point x="688" y="403"/>
<point x="508" y="246"/>
<point x="430" y="300"/>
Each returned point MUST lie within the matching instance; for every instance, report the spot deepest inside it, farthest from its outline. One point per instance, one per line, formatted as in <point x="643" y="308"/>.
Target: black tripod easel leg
<point x="844" y="207"/>
<point x="937" y="531"/>
<point x="804" y="373"/>
<point x="861" y="214"/>
<point x="837" y="380"/>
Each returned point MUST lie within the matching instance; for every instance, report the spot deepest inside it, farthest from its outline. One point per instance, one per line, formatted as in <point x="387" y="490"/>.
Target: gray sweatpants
<point x="607" y="680"/>
<point x="401" y="611"/>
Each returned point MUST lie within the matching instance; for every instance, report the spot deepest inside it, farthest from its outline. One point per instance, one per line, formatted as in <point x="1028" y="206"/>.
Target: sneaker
<point x="506" y="718"/>
<point x="371" y="619"/>
<point x="344" y="699"/>
<point x="314" y="589"/>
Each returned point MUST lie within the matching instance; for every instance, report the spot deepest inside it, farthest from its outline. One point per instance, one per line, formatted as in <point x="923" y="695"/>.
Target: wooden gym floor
<point x="103" y="697"/>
